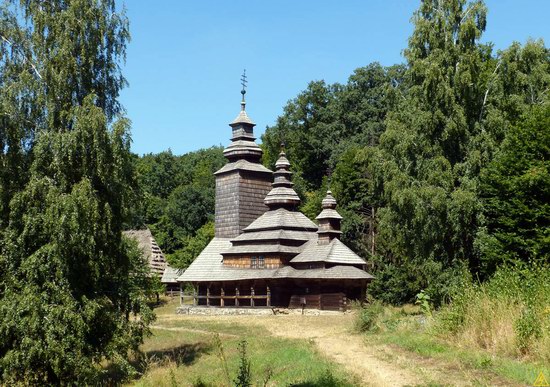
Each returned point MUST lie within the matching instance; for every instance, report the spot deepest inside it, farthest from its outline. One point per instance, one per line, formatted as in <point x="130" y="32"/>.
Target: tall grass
<point x="508" y="315"/>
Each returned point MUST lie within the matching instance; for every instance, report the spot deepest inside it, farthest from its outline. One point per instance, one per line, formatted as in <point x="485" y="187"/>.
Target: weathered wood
<point x="237" y="296"/>
<point x="244" y="261"/>
<point x="256" y="297"/>
<point x="239" y="200"/>
<point x="252" y="296"/>
<point x="222" y="297"/>
<point x="208" y="295"/>
<point x="268" y="302"/>
<point x="195" y="299"/>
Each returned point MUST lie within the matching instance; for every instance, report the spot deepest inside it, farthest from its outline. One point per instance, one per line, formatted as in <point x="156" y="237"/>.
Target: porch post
<point x="252" y="296"/>
<point x="208" y="295"/>
<point x="268" y="296"/>
<point x="195" y="291"/>
<point x="237" y="296"/>
<point x="181" y="293"/>
<point x="221" y="298"/>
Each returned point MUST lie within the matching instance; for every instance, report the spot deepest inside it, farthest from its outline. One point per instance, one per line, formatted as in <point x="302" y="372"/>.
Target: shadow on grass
<point x="185" y="354"/>
<point x="157" y="303"/>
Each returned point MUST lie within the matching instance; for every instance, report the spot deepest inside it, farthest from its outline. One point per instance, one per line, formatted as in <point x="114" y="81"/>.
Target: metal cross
<point x="243" y="82"/>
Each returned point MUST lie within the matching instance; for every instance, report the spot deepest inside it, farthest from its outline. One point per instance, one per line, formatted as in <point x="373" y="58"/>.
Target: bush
<point x="244" y="376"/>
<point x="368" y="316"/>
<point x="506" y="315"/>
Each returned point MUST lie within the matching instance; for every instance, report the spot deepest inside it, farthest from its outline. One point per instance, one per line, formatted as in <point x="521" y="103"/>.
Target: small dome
<point x="282" y="194"/>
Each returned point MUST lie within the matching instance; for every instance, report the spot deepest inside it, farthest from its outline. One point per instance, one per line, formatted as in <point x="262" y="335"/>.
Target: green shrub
<point x="244" y="376"/>
<point x="527" y="328"/>
<point x="507" y="315"/>
<point x="367" y="317"/>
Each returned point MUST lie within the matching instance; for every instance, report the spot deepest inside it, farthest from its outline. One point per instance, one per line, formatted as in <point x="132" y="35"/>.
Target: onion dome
<point x="329" y="220"/>
<point x="282" y="195"/>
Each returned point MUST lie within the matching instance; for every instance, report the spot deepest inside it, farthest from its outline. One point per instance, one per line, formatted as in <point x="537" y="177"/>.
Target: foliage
<point x="366" y="321"/>
<point x="192" y="247"/>
<point x="244" y="376"/>
<point x="508" y="314"/>
<point x="423" y="300"/>
<point x="419" y="154"/>
<point x="515" y="188"/>
<point x="324" y="120"/>
<point x="71" y="285"/>
<point x="178" y="194"/>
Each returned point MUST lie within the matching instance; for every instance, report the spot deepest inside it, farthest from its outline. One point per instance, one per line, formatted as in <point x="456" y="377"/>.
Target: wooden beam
<point x="252" y="296"/>
<point x="195" y="298"/>
<point x="268" y="302"/>
<point x="236" y="296"/>
<point x="208" y="295"/>
<point x="222" y="297"/>
<point x="229" y="297"/>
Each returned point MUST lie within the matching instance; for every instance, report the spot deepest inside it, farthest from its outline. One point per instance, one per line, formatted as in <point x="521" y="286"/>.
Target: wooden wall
<point x="239" y="200"/>
<point x="227" y="208"/>
<point x="253" y="188"/>
<point x="243" y="262"/>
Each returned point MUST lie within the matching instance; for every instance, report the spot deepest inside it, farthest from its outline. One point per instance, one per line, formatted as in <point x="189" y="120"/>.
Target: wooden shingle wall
<point x="253" y="189"/>
<point x="227" y="205"/>
<point x="239" y="200"/>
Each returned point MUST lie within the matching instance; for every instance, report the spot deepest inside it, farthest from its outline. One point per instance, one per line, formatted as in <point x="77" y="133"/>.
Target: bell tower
<point x="243" y="183"/>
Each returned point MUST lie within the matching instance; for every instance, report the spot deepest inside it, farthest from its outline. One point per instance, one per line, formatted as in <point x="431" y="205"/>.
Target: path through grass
<point x="182" y="352"/>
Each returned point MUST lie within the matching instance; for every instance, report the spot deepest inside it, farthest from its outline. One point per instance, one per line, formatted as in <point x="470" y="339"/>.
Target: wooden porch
<point x="227" y="295"/>
<point x="284" y="294"/>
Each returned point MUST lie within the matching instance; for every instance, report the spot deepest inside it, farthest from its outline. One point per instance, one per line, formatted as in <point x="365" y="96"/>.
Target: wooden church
<point x="265" y="252"/>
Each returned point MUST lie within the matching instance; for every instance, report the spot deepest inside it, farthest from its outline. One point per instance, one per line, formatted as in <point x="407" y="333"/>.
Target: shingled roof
<point x="334" y="252"/>
<point x="243" y="165"/>
<point x="170" y="275"/>
<point x="208" y="266"/>
<point x="282" y="218"/>
<point x="151" y="250"/>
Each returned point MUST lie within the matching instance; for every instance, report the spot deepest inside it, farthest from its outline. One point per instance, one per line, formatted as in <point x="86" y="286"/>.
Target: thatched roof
<point x="151" y="251"/>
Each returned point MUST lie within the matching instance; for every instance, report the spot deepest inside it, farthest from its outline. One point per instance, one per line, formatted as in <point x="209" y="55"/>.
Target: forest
<point x="440" y="165"/>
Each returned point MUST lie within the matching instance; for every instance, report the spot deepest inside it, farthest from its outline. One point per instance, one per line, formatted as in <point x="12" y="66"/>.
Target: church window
<point x="254" y="262"/>
<point x="261" y="262"/>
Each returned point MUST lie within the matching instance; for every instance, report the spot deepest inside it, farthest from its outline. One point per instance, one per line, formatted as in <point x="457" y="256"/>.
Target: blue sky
<point x="186" y="57"/>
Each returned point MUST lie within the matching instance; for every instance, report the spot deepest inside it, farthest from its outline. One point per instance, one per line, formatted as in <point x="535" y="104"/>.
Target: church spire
<point x="329" y="220"/>
<point x="243" y="144"/>
<point x="282" y="194"/>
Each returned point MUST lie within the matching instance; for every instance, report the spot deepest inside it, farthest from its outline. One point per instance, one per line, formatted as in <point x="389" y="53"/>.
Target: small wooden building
<point x="152" y="253"/>
<point x="265" y="252"/>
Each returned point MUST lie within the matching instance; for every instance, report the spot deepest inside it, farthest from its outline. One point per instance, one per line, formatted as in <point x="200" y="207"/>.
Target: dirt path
<point x="333" y="337"/>
<point x="374" y="365"/>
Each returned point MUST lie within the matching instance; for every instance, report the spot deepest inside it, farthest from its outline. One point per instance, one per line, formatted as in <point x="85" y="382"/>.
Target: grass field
<point x="403" y="328"/>
<point x="185" y="353"/>
<point x="322" y="351"/>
